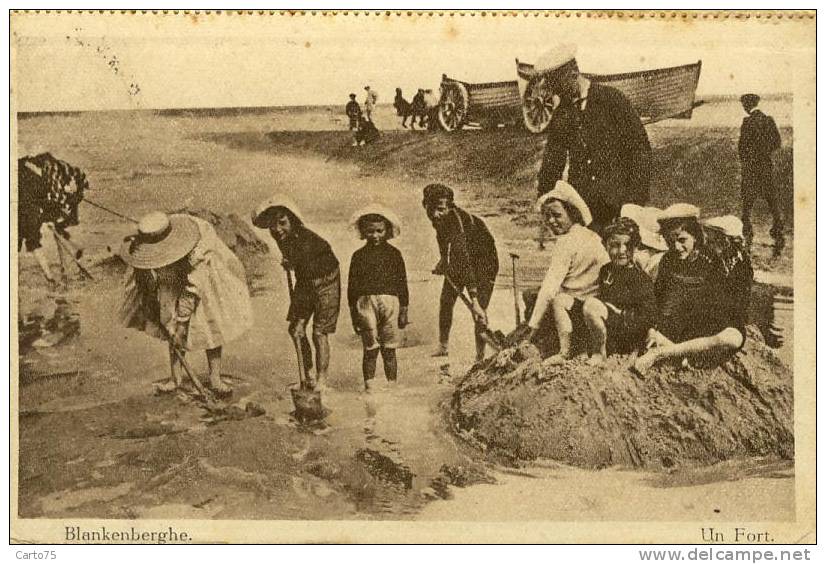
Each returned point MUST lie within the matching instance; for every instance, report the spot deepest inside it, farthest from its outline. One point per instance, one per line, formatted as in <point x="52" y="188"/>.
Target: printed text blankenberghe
<point x="127" y="535"/>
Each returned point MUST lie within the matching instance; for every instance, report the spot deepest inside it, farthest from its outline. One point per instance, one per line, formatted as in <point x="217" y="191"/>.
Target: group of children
<point x="675" y="290"/>
<point x="187" y="288"/>
<point x="684" y="293"/>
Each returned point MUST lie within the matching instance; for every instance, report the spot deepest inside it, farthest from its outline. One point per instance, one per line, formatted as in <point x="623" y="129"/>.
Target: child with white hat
<point x="576" y="260"/>
<point x="698" y="316"/>
<point x="317" y="291"/>
<point x="377" y="290"/>
<point x="187" y="287"/>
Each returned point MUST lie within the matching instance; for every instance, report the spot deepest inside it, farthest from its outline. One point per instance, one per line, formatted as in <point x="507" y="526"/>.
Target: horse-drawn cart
<point x="656" y="94"/>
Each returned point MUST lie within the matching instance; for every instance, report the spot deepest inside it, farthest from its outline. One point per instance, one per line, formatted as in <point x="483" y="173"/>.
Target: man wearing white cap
<point x="598" y="134"/>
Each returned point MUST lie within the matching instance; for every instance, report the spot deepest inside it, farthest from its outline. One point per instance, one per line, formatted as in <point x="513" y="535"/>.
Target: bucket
<point x="307" y="405"/>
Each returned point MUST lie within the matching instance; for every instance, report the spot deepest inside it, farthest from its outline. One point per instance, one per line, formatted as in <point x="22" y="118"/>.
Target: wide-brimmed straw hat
<point x="646" y="219"/>
<point x="564" y="192"/>
<point x="161" y="240"/>
<point x="377" y="209"/>
<point x="263" y="214"/>
<point x="729" y="225"/>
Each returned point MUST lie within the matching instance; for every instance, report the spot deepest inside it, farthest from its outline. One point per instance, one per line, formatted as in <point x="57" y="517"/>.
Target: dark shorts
<point x="323" y="306"/>
<point x="625" y="333"/>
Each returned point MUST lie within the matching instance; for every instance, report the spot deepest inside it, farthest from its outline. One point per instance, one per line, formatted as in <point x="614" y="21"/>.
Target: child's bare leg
<point x="391" y="368"/>
<point x="368" y="366"/>
<point x="595" y="313"/>
<point x="214" y="362"/>
<point x="727" y="340"/>
<point x="322" y="357"/>
<point x="560" y="306"/>
<point x="174" y="373"/>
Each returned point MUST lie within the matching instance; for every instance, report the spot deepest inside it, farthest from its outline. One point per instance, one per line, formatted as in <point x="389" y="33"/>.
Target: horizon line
<point x="180" y="109"/>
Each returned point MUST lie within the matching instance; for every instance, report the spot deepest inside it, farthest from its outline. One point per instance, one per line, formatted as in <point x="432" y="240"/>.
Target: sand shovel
<point x="495" y="339"/>
<point x="518" y="317"/>
<point x="306" y="400"/>
<point x="206" y="394"/>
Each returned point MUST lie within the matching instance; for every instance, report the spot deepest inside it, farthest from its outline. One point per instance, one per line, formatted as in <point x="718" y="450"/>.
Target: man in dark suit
<point x="759" y="139"/>
<point x="597" y="132"/>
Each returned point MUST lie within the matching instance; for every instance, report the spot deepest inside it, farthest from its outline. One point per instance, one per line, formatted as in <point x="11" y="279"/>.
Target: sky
<point x="85" y="62"/>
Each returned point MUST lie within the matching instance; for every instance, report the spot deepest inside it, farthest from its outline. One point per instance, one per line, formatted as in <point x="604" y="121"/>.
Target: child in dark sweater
<point x="696" y="317"/>
<point x="619" y="317"/>
<point x="317" y="291"/>
<point x="377" y="291"/>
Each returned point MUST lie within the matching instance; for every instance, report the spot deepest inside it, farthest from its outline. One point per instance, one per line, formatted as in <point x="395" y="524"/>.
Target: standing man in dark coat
<point x="598" y="134"/>
<point x="353" y="111"/>
<point x="759" y="139"/>
<point x="468" y="257"/>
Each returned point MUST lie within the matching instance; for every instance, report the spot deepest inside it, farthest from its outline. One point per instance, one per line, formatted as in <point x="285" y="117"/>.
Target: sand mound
<point x="515" y="408"/>
<point x="236" y="234"/>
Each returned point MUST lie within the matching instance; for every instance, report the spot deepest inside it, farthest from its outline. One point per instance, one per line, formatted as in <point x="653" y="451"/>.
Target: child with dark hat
<point x="619" y="317"/>
<point x="468" y="260"/>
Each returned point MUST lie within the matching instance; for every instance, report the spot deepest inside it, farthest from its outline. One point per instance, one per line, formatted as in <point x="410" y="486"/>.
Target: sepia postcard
<point x="413" y="277"/>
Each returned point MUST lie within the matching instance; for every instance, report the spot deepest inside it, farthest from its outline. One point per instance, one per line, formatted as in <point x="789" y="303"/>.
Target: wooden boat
<point x="656" y="94"/>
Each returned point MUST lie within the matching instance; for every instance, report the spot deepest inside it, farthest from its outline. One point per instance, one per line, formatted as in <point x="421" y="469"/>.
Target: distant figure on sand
<point x="186" y="288"/>
<point x="403" y="109"/>
<point x="370" y="99"/>
<point x="759" y="139"/>
<point x="598" y="135"/>
<point x="317" y="291"/>
<point x="419" y="109"/>
<point x="366" y="134"/>
<point x="431" y="103"/>
<point x="353" y="111"/>
<point x="468" y="260"/>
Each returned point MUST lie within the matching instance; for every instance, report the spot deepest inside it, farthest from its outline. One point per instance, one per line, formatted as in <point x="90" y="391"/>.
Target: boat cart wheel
<point x="538" y="105"/>
<point x="453" y="106"/>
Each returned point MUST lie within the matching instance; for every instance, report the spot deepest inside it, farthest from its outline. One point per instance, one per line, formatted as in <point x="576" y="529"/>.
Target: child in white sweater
<point x="576" y="259"/>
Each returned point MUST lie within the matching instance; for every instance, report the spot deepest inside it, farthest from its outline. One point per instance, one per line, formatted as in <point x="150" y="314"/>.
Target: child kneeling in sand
<point x="619" y="318"/>
<point x="377" y="290"/>
<point x="703" y="303"/>
<point x="576" y="260"/>
<point x="317" y="291"/>
<point x="187" y="288"/>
